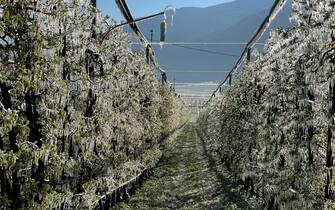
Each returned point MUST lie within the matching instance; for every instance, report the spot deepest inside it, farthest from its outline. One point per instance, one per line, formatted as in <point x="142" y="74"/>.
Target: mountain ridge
<point x="224" y="29"/>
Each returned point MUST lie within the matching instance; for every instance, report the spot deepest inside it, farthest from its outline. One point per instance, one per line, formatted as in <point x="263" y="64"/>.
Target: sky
<point x="142" y="8"/>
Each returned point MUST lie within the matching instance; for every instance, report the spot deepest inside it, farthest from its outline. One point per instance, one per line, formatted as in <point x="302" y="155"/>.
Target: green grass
<point x="186" y="178"/>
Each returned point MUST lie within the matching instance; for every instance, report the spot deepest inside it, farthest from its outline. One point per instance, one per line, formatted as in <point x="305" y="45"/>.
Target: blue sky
<point x="142" y="8"/>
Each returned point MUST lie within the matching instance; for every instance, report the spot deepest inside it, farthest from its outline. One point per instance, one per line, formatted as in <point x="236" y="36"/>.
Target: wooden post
<point x="151" y="35"/>
<point x="94" y="22"/>
<point x="249" y="55"/>
<point x="148" y="54"/>
<point x="329" y="163"/>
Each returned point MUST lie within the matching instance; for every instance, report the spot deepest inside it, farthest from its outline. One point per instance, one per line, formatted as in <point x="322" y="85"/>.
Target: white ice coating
<point x="170" y="10"/>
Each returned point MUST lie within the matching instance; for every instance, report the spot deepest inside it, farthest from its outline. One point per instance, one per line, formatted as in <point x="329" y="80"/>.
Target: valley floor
<point x="186" y="178"/>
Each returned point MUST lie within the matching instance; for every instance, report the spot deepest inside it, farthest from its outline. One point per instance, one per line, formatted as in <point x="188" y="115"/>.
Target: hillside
<point x="228" y="22"/>
<point x="191" y="23"/>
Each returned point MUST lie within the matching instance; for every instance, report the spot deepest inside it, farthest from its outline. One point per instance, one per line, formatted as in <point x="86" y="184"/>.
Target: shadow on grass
<point x="187" y="177"/>
<point x="227" y="184"/>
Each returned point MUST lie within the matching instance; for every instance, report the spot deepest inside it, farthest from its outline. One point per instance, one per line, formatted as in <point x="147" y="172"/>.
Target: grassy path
<point x="186" y="178"/>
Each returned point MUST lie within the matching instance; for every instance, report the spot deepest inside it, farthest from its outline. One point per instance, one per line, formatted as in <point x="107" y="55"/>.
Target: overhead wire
<point x="205" y="50"/>
<point x="122" y="4"/>
<point x="195" y="84"/>
<point x="276" y="7"/>
<point x="197" y="71"/>
<point x="129" y="23"/>
<point x="259" y="32"/>
<point x="201" y="43"/>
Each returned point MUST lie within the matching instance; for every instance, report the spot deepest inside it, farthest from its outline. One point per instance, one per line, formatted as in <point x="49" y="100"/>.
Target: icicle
<point x="163" y="33"/>
<point x="172" y="18"/>
<point x="173" y="11"/>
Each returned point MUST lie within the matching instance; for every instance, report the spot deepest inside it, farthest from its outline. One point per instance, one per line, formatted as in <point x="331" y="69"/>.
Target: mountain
<point x="242" y="30"/>
<point x="191" y="23"/>
<point x="229" y="22"/>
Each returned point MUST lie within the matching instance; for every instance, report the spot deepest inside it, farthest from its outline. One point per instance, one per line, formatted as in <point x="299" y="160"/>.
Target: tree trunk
<point x="329" y="164"/>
